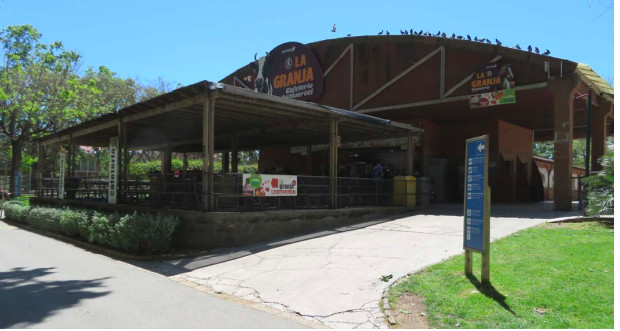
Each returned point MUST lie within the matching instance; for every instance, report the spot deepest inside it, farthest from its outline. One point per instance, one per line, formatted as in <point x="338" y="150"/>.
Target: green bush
<point x="74" y="223"/>
<point x="16" y="211"/>
<point x="46" y="218"/>
<point x="601" y="187"/>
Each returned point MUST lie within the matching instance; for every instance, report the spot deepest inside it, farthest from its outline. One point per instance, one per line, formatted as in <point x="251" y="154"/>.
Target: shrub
<point x="601" y="187"/>
<point x="16" y="211"/>
<point x="155" y="231"/>
<point x="46" y="218"/>
<point x="74" y="223"/>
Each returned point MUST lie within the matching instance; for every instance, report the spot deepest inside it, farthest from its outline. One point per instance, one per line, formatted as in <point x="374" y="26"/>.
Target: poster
<point x="61" y="174"/>
<point x="492" y="98"/>
<point x="493" y="77"/>
<point x="259" y="185"/>
<point x="113" y="173"/>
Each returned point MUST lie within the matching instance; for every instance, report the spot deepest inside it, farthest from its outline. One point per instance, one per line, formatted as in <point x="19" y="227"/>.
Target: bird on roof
<point x="334" y="28"/>
<point x="348" y="35"/>
<point x="380" y="33"/>
<point x="488" y="41"/>
<point x="547" y="52"/>
<point x="438" y="33"/>
<point x="476" y="38"/>
<point x="401" y="32"/>
<point x="420" y="33"/>
<point x="443" y="35"/>
<point x="387" y="32"/>
<point x="411" y="31"/>
<point x="499" y="43"/>
<point x="536" y="50"/>
<point x="459" y="37"/>
<point x="518" y="47"/>
<point x="406" y="33"/>
<point x="452" y="36"/>
<point x="468" y="38"/>
<point x="529" y="48"/>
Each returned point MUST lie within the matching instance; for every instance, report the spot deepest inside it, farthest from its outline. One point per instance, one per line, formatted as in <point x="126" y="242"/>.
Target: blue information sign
<point x="18" y="184"/>
<point x="476" y="162"/>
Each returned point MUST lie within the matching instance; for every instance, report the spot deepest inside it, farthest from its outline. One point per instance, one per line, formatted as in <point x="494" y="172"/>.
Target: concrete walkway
<point x="334" y="279"/>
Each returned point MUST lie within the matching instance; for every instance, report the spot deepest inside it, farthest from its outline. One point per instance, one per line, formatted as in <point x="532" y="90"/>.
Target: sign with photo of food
<point x="492" y="98"/>
<point x="259" y="185"/>
<point x="491" y="78"/>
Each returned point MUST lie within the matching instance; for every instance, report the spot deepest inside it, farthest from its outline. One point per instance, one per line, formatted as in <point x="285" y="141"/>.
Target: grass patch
<point x="551" y="276"/>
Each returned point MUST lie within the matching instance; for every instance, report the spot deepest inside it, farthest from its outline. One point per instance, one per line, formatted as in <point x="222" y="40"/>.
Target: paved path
<point x="334" y="279"/>
<point x="45" y="283"/>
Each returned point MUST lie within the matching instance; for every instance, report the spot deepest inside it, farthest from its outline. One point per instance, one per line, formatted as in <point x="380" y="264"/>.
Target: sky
<point x="187" y="41"/>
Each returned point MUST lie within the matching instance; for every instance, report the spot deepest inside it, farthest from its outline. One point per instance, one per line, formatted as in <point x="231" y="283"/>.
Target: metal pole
<point x="588" y="125"/>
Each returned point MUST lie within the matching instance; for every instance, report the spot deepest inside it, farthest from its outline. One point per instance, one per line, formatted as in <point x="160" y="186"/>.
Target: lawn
<point x="551" y="276"/>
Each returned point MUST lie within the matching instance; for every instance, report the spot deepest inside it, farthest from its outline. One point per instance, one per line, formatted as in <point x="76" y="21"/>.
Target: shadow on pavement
<point x="490" y="292"/>
<point x="25" y="299"/>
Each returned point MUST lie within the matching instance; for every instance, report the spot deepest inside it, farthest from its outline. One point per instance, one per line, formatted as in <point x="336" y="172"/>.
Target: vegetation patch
<point x="551" y="276"/>
<point x="132" y="233"/>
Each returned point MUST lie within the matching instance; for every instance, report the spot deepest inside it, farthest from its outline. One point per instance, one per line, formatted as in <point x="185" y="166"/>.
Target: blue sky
<point x="187" y="41"/>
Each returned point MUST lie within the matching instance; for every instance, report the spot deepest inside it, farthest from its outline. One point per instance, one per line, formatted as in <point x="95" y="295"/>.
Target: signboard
<point x="492" y="98"/>
<point x="113" y="175"/>
<point x="493" y="77"/>
<point x="61" y="174"/>
<point x="259" y="185"/>
<point x="291" y="71"/>
<point x="476" y="181"/>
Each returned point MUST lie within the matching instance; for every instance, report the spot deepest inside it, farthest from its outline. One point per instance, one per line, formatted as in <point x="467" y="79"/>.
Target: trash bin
<point x="405" y="191"/>
<point x="423" y="190"/>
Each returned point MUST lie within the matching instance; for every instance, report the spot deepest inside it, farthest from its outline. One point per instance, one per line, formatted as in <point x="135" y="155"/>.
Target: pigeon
<point x="536" y="50"/>
<point x="452" y="36"/>
<point x="420" y="33"/>
<point x="518" y="47"/>
<point x="529" y="48"/>
<point x="401" y="32"/>
<point x="334" y="28"/>
<point x="499" y="43"/>
<point x="488" y="41"/>
<point x="380" y="33"/>
<point x="459" y="37"/>
<point x="476" y="38"/>
<point x="443" y="34"/>
<point x="406" y="33"/>
<point x="468" y="38"/>
<point x="387" y="32"/>
<point x="438" y="33"/>
<point x="348" y="35"/>
<point x="411" y="31"/>
<point x="547" y="52"/>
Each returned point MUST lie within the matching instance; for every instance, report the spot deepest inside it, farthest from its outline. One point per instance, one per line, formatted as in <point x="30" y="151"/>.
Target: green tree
<point x="601" y="186"/>
<point x="37" y="84"/>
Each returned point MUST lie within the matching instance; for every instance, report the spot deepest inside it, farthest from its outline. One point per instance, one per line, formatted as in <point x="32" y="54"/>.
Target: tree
<point x="37" y="83"/>
<point x="601" y="186"/>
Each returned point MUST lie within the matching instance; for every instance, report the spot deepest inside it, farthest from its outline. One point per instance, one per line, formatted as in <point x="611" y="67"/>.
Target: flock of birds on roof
<point x="453" y="36"/>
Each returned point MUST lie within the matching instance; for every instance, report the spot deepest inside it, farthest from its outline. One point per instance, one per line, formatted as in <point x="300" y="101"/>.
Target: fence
<point x="184" y="191"/>
<point x="26" y="182"/>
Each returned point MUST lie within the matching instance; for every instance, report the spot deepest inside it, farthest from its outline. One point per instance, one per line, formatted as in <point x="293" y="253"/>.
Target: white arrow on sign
<point x="480" y="148"/>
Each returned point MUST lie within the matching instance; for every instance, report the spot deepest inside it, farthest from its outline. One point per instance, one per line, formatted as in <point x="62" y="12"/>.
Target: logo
<point x="255" y="180"/>
<point x="288" y="63"/>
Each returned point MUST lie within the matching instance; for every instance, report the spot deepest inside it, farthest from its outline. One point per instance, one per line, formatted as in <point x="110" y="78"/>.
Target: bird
<point x="443" y="34"/>
<point x="529" y="48"/>
<point x="518" y="47"/>
<point x="536" y="50"/>
<point x="438" y="33"/>
<point x="406" y="33"/>
<point x="421" y="31"/>
<point x="547" y="52"/>
<point x="499" y="43"/>
<point x="348" y="35"/>
<point x="476" y="38"/>
<point x="452" y="36"/>
<point x="468" y="38"/>
<point x="387" y="32"/>
<point x="401" y="32"/>
<point x="380" y="33"/>
<point x="459" y="37"/>
<point x="488" y="41"/>
<point x="334" y="28"/>
<point x="411" y="31"/>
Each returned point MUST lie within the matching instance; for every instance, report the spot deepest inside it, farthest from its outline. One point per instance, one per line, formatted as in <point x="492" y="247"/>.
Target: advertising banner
<point x="259" y="185"/>
<point x="492" y="98"/>
<point x="113" y="173"/>
<point x="291" y="71"/>
<point x="61" y="174"/>
<point x="493" y="77"/>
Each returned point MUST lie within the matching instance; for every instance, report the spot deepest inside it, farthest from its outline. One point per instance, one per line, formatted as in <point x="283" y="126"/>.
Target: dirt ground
<point x="410" y="313"/>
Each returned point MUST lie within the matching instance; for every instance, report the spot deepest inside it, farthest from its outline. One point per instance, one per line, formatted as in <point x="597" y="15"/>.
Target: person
<point x="248" y="190"/>
<point x="377" y="171"/>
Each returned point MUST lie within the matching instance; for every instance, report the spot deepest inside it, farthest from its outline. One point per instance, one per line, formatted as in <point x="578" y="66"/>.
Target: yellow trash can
<point x="404" y="191"/>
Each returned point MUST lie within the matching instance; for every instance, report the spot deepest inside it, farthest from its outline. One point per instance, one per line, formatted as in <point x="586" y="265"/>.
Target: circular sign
<point x="255" y="180"/>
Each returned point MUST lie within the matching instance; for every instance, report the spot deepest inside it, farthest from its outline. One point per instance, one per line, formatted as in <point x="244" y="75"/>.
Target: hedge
<point x="133" y="233"/>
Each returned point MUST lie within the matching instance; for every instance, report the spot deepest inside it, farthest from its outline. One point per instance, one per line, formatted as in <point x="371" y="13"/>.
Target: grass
<point x="551" y="276"/>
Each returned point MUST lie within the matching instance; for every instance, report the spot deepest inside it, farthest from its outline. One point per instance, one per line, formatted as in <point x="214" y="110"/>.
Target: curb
<point x="386" y="307"/>
<point x="102" y="250"/>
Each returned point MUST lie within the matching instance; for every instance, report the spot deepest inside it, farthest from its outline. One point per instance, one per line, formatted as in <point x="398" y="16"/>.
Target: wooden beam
<point x="329" y="69"/>
<point x="351" y="79"/>
<point x="165" y="108"/>
<point x="442" y="72"/>
<point x="208" y="149"/>
<point x="468" y="78"/>
<point x="80" y="132"/>
<point x="399" y="76"/>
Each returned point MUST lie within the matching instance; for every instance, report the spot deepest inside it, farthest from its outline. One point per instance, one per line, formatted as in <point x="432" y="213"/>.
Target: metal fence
<point x="26" y="182"/>
<point x="184" y="191"/>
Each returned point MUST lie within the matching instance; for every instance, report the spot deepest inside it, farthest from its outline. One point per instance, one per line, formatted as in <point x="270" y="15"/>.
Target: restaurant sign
<point x="492" y="99"/>
<point x="291" y="71"/>
<point x="260" y="185"/>
<point x="493" y="77"/>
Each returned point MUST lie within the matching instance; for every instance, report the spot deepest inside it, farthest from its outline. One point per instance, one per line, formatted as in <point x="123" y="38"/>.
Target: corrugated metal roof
<point x="599" y="85"/>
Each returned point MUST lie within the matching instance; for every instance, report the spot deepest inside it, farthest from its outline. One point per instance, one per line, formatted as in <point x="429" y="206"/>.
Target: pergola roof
<point x="175" y="120"/>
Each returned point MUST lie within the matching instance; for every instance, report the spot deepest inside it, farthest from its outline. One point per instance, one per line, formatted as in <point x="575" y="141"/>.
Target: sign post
<point x="61" y="173"/>
<point x="477" y="206"/>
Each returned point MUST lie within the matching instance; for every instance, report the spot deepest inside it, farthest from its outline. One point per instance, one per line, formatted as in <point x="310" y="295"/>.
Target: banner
<point x="113" y="173"/>
<point x="258" y="185"/>
<point x="493" y="77"/>
<point x="61" y="174"/>
<point x="492" y="99"/>
<point x="291" y="71"/>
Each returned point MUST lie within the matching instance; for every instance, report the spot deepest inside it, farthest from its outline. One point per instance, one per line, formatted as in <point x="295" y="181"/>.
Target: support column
<point x="126" y="158"/>
<point x="166" y="161"/>
<point x="235" y="155"/>
<point x="599" y="131"/>
<point x="309" y="160"/>
<point x="208" y="149"/>
<point x="71" y="157"/>
<point x="563" y="94"/>
<point x="120" y="164"/>
<point x="225" y="162"/>
<point x="410" y="153"/>
<point x="334" y="142"/>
